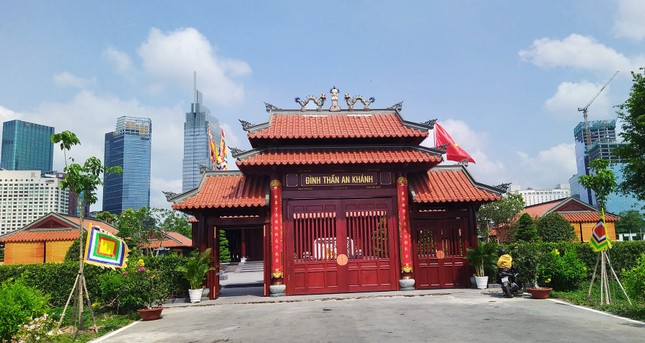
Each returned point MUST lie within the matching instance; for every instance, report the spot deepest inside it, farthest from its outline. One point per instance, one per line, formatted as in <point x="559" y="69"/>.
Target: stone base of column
<point x="406" y="284"/>
<point x="277" y="290"/>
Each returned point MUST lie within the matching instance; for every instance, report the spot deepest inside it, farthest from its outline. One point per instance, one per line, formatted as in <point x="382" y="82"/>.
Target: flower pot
<point x="195" y="295"/>
<point x="540" y="292"/>
<point x="481" y="281"/>
<point x="150" y="313"/>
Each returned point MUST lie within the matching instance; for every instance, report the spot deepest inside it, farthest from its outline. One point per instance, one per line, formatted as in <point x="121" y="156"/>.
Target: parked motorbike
<point x="509" y="279"/>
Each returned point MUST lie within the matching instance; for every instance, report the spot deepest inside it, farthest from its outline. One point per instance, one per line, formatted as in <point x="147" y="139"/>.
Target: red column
<point x="277" y="270"/>
<point x="404" y="228"/>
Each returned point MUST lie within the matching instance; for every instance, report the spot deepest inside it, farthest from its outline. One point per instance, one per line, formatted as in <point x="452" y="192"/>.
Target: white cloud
<point x="91" y="115"/>
<point x="576" y="51"/>
<point x="629" y="19"/>
<point x="548" y="168"/>
<point x="170" y="59"/>
<point x="67" y="79"/>
<point x="7" y="114"/>
<point x="121" y="60"/>
<point x="570" y="96"/>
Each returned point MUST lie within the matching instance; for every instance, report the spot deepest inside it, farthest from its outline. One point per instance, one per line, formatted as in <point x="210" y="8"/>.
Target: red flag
<point x="454" y="152"/>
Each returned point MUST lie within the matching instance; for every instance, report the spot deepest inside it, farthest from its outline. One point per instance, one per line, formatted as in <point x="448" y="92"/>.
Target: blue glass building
<point x="26" y="146"/>
<point x="128" y="147"/>
<point x="601" y="143"/>
<point x="196" y="151"/>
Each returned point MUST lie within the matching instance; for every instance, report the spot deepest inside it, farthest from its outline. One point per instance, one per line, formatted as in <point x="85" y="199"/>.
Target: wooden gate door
<point x="439" y="248"/>
<point x="336" y="246"/>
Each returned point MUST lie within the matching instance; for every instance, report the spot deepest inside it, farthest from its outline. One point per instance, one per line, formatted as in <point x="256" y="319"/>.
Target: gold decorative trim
<point x="276" y="274"/>
<point x="406" y="269"/>
<point x="402" y="181"/>
<point x="275" y="183"/>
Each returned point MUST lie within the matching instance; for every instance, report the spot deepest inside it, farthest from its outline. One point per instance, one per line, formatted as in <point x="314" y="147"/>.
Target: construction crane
<point x="584" y="111"/>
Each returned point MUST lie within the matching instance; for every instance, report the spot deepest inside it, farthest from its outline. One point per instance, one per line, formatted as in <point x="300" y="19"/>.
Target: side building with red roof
<point x="343" y="200"/>
<point x="47" y="239"/>
<point x="580" y="215"/>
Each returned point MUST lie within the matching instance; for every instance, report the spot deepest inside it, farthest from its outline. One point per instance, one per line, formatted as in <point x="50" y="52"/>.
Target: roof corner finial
<point x="334" y="100"/>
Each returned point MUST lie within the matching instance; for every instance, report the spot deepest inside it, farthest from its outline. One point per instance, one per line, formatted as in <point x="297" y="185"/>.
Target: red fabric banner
<point x="276" y="230"/>
<point x="454" y="152"/>
<point x="404" y="225"/>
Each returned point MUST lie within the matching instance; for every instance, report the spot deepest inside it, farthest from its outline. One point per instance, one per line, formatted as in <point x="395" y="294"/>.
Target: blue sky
<point x="505" y="78"/>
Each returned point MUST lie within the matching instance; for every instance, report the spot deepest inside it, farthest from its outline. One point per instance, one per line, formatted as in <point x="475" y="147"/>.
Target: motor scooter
<point x="509" y="280"/>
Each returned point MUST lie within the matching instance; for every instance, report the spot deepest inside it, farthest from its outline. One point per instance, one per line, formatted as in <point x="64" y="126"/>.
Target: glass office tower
<point x="196" y="152"/>
<point x="27" y="146"/>
<point x="129" y="147"/>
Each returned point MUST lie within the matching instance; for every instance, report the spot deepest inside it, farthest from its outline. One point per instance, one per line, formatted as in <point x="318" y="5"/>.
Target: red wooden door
<point x="439" y="248"/>
<point x="335" y="246"/>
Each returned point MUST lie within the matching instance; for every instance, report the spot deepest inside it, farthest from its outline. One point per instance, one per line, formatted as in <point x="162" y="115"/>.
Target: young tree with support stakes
<point x="82" y="181"/>
<point x="602" y="181"/>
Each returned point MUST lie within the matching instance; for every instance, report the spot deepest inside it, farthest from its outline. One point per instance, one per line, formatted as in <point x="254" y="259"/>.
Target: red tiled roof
<point x="226" y="191"/>
<point x="586" y="217"/>
<point x="339" y="156"/>
<point x="441" y="185"/>
<point x="581" y="213"/>
<point x="69" y="233"/>
<point x="172" y="240"/>
<point x="299" y="126"/>
<point x="40" y="235"/>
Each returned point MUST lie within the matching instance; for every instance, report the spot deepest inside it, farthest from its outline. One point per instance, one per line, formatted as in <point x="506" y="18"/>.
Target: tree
<point x="138" y="227"/>
<point x="224" y="253"/>
<point x="107" y="217"/>
<point x="81" y="180"/>
<point x="630" y="221"/>
<point x="526" y="229"/>
<point x="174" y="221"/>
<point x="632" y="114"/>
<point x="601" y="180"/>
<point x="554" y="228"/>
<point x="499" y="213"/>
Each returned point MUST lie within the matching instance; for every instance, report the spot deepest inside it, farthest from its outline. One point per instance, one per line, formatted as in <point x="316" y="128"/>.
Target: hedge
<point x="57" y="279"/>
<point x="622" y="255"/>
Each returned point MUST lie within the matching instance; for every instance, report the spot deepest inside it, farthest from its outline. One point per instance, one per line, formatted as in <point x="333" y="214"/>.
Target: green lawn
<point x="618" y="302"/>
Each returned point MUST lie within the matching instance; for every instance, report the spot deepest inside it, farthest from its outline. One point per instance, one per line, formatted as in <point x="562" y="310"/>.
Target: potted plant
<point x="532" y="265"/>
<point x="481" y="256"/>
<point x="195" y="270"/>
<point x="145" y="289"/>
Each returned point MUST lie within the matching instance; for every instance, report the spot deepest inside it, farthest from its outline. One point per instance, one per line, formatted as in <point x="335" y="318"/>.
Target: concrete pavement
<point x="460" y="315"/>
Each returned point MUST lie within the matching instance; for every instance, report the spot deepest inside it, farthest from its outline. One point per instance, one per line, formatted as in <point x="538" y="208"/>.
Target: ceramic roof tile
<point x="226" y="191"/>
<point x="172" y="240"/>
<point x="301" y="126"/>
<point x="441" y="185"/>
<point x="339" y="156"/>
<point x="586" y="217"/>
<point x="36" y="234"/>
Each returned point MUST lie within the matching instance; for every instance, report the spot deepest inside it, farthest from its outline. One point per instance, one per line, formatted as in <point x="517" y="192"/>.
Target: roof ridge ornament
<point x="319" y="101"/>
<point x="246" y="126"/>
<point x="351" y="101"/>
<point x="398" y="106"/>
<point x="269" y="107"/>
<point x="430" y="123"/>
<point x="235" y="151"/>
<point x="334" y="100"/>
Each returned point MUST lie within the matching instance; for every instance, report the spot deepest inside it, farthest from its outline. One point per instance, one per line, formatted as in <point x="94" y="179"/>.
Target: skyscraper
<point x="26" y="195"/>
<point x="26" y="146"/>
<point x="128" y="147"/>
<point x="196" y="152"/>
<point x="602" y="143"/>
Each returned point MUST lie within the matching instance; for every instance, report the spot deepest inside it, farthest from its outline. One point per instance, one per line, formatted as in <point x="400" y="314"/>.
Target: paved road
<point x="466" y="315"/>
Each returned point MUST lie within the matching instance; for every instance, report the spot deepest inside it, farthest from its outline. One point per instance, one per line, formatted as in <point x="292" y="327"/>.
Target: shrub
<point x="553" y="228"/>
<point x="20" y="303"/>
<point x="634" y="279"/>
<point x="563" y="272"/>
<point x="526" y="229"/>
